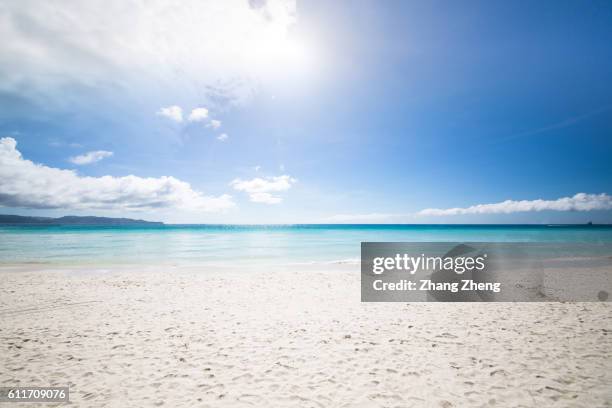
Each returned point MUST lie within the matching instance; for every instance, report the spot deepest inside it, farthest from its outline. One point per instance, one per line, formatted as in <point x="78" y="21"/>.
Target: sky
<point x="307" y="112"/>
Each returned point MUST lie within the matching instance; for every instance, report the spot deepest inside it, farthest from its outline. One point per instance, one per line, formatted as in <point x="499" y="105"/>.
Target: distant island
<point x="6" y="219"/>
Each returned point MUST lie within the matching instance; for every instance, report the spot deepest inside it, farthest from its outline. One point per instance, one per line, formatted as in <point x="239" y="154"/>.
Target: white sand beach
<point x="183" y="337"/>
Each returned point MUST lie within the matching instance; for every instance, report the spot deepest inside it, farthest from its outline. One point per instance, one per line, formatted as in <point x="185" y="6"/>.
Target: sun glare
<point x="276" y="52"/>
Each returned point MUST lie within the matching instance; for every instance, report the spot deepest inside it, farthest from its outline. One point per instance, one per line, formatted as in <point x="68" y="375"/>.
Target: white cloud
<point x="173" y="112"/>
<point x="219" y="48"/>
<point x="257" y="168"/>
<point x="222" y="137"/>
<point x="264" y="185"/>
<point x="579" y="202"/>
<point x="265" y="198"/>
<point x="26" y="184"/>
<point x="259" y="189"/>
<point x="90" y="157"/>
<point x="198" y="115"/>
<point x="214" y="123"/>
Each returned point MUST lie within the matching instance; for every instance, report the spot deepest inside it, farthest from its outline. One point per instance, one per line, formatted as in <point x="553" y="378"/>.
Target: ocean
<point x="278" y="245"/>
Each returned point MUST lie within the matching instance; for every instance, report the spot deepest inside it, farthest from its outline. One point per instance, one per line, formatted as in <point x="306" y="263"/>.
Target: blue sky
<point x="362" y="111"/>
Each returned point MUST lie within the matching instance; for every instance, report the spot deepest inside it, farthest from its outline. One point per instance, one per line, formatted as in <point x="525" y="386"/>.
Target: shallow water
<point x="262" y="244"/>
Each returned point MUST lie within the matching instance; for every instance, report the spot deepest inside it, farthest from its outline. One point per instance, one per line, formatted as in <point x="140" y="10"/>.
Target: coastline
<point x="133" y="336"/>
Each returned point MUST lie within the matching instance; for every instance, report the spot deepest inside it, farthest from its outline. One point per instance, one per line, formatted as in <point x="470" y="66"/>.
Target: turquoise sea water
<point x="264" y="244"/>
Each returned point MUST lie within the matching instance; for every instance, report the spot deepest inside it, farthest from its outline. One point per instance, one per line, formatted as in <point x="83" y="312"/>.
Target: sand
<point x="185" y="337"/>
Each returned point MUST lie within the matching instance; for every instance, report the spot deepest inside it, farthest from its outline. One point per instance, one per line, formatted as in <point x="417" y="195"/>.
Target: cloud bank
<point x="579" y="202"/>
<point x="221" y="48"/>
<point x="260" y="189"/>
<point x="25" y="184"/>
<point x="90" y="157"/>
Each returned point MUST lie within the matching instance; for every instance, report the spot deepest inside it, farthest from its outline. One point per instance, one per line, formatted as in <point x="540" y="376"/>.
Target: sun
<point x="276" y="50"/>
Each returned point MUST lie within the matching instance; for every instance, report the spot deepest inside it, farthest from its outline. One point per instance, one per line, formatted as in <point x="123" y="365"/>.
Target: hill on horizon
<point x="7" y="219"/>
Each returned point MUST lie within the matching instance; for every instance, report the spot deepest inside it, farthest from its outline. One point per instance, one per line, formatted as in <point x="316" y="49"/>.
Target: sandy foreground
<point x="184" y="337"/>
